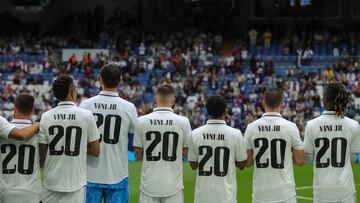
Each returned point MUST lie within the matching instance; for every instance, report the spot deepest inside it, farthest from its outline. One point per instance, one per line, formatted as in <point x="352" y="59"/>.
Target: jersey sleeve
<point x="138" y="142"/>
<point x="308" y="145"/>
<point x="187" y="133"/>
<point x="355" y="143"/>
<point x="5" y="128"/>
<point x="296" y="142"/>
<point x="240" y="152"/>
<point x="42" y="133"/>
<point x="193" y="150"/>
<point x="92" y="131"/>
<point x="247" y="139"/>
<point x="134" y="120"/>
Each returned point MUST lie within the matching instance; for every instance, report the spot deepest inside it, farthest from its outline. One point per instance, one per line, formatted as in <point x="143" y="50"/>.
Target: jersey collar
<point x="271" y="114"/>
<point x="159" y="109"/>
<point x="66" y="103"/>
<point x="109" y="94"/>
<point x="329" y="113"/>
<point x="21" y="121"/>
<point x="216" y="121"/>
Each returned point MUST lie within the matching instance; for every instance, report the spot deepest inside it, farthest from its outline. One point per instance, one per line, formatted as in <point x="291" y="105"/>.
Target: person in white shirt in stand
<point x="332" y="142"/>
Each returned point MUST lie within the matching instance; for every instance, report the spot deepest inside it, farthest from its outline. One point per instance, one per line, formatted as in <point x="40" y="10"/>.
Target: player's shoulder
<point x="231" y="130"/>
<point x="89" y="101"/>
<point x="351" y="122"/>
<point x="125" y="103"/>
<point x="2" y="119"/>
<point x="181" y="119"/>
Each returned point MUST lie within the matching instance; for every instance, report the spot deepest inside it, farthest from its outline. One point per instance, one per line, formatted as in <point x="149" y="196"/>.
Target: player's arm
<point x="193" y="154"/>
<point x="194" y="165"/>
<point x="297" y="146"/>
<point x="138" y="153"/>
<point x="298" y="157"/>
<point x="93" y="148"/>
<point x="250" y="160"/>
<point x="185" y="152"/>
<point x="241" y="164"/>
<point x="24" y="133"/>
<point x="42" y="150"/>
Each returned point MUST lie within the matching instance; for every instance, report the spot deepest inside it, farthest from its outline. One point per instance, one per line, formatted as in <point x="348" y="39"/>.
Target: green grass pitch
<point x="303" y="180"/>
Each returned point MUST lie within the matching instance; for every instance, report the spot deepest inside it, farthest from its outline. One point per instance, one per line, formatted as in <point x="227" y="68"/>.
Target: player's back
<point x="115" y="118"/>
<point x="272" y="138"/>
<point x="162" y="135"/>
<point x="331" y="139"/>
<point x="66" y="129"/>
<point x="20" y="166"/>
<point x="216" y="147"/>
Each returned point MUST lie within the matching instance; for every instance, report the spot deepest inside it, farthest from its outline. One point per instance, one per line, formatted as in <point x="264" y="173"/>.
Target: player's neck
<point x="22" y="116"/>
<point x="274" y="110"/>
<point x="164" y="106"/>
<point x="109" y="89"/>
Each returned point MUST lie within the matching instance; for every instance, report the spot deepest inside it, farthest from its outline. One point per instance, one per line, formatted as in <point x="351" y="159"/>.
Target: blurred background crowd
<point x="189" y="53"/>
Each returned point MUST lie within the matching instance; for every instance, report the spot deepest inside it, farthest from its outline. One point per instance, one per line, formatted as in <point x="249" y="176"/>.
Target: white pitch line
<point x="304" y="188"/>
<point x="305" y="198"/>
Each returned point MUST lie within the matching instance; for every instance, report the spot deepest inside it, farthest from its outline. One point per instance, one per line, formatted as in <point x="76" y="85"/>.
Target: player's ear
<point x="101" y="80"/>
<point x="282" y="106"/>
<point x="173" y="101"/>
<point x="155" y="100"/>
<point x="263" y="103"/>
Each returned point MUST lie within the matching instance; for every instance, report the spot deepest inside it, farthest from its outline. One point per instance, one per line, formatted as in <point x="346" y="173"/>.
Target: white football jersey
<point x="162" y="135"/>
<point x="272" y="139"/>
<point x="115" y="118"/>
<point x="19" y="162"/>
<point x="331" y="139"/>
<point x="216" y="147"/>
<point x="67" y="130"/>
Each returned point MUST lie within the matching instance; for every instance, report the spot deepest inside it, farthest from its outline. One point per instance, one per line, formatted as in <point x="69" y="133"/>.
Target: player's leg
<point x="147" y="199"/>
<point x="116" y="195"/>
<point x="177" y="198"/>
<point x="93" y="194"/>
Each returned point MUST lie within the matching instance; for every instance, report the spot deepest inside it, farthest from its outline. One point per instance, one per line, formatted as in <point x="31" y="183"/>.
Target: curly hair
<point x="61" y="86"/>
<point x="337" y="98"/>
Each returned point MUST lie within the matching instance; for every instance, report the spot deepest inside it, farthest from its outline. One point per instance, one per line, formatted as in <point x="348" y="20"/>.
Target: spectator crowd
<point x="194" y="61"/>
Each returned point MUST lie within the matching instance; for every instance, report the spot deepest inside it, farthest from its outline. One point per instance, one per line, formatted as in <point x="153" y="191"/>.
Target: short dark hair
<point x="111" y="75"/>
<point x="216" y="106"/>
<point x="165" y="89"/>
<point x="273" y="97"/>
<point x="24" y="103"/>
<point x="61" y="86"/>
<point x="337" y="98"/>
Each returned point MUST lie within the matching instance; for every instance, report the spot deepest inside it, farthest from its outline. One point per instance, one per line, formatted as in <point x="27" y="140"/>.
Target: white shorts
<point x="177" y="198"/>
<point x="50" y="196"/>
<point x="20" y="196"/>
<point x="291" y="200"/>
<point x="350" y="200"/>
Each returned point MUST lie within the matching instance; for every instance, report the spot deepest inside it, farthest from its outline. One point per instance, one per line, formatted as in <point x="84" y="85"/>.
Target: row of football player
<point x="71" y="138"/>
